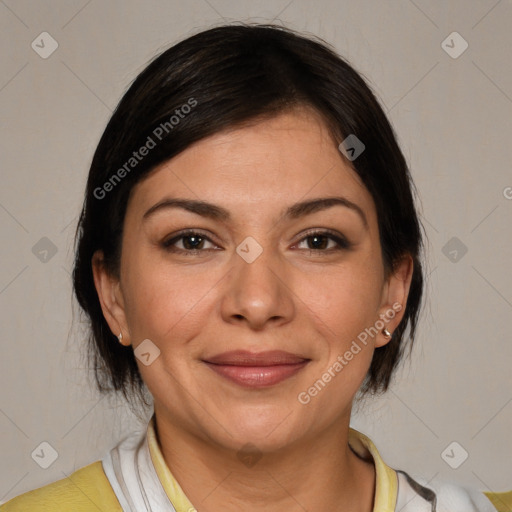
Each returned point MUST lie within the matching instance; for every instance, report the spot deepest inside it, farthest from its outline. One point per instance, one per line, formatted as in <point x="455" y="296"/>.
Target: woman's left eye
<point x="320" y="241"/>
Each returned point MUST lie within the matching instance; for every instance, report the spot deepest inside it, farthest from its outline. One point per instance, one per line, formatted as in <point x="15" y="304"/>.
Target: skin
<point x="312" y="303"/>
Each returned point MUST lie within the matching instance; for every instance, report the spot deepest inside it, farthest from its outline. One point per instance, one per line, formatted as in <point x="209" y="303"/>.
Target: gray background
<point x="453" y="120"/>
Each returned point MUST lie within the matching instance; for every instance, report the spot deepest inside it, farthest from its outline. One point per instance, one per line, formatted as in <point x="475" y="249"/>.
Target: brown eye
<point x="319" y="241"/>
<point x="191" y="241"/>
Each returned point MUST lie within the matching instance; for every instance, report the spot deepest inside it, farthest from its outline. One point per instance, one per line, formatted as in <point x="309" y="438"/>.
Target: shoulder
<point x="418" y="496"/>
<point x="502" y="501"/>
<point x="85" y="490"/>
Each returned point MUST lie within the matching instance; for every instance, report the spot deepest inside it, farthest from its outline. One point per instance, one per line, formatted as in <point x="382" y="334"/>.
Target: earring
<point x="386" y="333"/>
<point x="120" y="337"/>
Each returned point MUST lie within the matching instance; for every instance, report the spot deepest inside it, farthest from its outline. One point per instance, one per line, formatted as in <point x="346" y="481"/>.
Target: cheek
<point x="343" y="310"/>
<point x="167" y="308"/>
<point x="159" y="299"/>
<point x="169" y="303"/>
<point x="345" y="298"/>
<point x="344" y="305"/>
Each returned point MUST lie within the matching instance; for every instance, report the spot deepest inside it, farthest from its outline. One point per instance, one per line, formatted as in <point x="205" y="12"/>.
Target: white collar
<point x="132" y="475"/>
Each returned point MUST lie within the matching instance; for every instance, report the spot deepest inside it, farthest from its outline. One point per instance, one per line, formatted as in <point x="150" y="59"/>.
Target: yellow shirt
<point x="88" y="489"/>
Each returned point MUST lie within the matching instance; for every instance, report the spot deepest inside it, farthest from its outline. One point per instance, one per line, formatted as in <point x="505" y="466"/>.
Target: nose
<point x="258" y="291"/>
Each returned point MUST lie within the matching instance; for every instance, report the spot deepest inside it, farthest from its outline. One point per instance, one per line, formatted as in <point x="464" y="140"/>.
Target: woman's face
<point x="265" y="324"/>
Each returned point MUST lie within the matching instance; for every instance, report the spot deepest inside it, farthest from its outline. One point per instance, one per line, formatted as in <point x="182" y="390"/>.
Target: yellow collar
<point x="386" y="478"/>
<point x="171" y="487"/>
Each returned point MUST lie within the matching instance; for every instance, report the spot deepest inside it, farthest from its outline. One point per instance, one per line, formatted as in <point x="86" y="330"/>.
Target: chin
<point x="268" y="429"/>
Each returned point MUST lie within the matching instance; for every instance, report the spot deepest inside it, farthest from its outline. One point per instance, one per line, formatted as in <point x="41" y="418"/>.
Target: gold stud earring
<point x="120" y="337"/>
<point x="386" y="333"/>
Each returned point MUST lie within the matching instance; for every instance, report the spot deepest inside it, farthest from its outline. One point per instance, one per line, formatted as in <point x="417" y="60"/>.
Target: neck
<point x="314" y="474"/>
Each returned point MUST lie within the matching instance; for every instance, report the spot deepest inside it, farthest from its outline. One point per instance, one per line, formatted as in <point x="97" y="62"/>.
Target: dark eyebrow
<point x="202" y="208"/>
<point x="315" y="205"/>
<point x="216" y="212"/>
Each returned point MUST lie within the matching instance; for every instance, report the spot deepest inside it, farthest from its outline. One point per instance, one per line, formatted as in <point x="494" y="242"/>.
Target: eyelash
<point x="342" y="242"/>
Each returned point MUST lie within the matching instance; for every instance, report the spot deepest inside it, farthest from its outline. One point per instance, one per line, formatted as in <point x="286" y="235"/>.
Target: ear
<point x="394" y="298"/>
<point x="111" y="298"/>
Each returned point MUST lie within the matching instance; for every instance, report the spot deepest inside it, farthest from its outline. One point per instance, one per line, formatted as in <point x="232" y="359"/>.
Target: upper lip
<point x="245" y="358"/>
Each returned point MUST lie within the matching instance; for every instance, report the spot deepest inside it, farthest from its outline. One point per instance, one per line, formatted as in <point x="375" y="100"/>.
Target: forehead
<point x="263" y="164"/>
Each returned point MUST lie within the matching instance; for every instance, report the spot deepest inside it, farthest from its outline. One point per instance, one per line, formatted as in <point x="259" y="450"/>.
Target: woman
<point x="249" y="252"/>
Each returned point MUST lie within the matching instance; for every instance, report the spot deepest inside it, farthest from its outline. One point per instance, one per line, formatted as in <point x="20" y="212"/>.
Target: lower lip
<point x="257" y="376"/>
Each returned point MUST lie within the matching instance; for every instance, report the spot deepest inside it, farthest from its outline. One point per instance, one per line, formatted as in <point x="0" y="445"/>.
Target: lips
<point x="256" y="370"/>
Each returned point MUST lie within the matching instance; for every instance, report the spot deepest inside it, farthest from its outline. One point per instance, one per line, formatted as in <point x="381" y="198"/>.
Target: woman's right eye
<point x="192" y="242"/>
